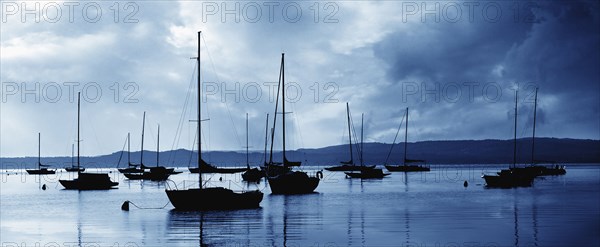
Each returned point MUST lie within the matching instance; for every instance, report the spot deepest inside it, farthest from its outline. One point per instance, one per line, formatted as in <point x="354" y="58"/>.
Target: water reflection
<point x="213" y="228"/>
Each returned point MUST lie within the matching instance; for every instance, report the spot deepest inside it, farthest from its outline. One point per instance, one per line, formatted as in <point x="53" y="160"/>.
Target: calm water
<point x="421" y="209"/>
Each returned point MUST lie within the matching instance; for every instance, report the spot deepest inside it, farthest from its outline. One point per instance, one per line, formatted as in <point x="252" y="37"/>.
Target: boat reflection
<point x="214" y="228"/>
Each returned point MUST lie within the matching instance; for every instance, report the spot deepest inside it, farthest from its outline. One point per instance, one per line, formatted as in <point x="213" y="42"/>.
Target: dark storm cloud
<point x="557" y="49"/>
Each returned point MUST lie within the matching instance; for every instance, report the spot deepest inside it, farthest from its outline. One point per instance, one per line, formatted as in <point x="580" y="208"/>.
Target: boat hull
<point x="74" y="169"/>
<point x="218" y="170"/>
<point x="407" y="168"/>
<point x="508" y="180"/>
<point x="40" y="171"/>
<point x="293" y="183"/>
<point x="348" y="168"/>
<point x="217" y="198"/>
<point x="253" y="175"/>
<point x="367" y="174"/>
<point x="89" y="181"/>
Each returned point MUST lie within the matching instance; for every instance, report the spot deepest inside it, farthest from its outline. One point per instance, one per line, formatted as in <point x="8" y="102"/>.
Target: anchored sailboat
<point x="406" y="167"/>
<point x="210" y="198"/>
<point x="42" y="169"/>
<point x="86" y="181"/>
<point x="73" y="168"/>
<point x="157" y="173"/>
<point x="349" y="165"/>
<point x="253" y="174"/>
<point x="281" y="179"/>
<point x="366" y="172"/>
<point x="513" y="177"/>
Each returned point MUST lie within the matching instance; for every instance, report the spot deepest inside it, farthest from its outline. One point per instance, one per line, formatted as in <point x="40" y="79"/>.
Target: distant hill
<point x="435" y="152"/>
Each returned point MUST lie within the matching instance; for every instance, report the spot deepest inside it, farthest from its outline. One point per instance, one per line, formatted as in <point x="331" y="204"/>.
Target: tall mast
<point x="283" y="104"/>
<point x="534" y="118"/>
<point x="128" y="150"/>
<point x="515" y="134"/>
<point x="199" y="114"/>
<point x="405" y="136"/>
<point x="142" y="153"/>
<point x="78" y="116"/>
<point x="157" y="145"/>
<point x="275" y="117"/>
<point x="349" y="133"/>
<point x="247" y="161"/>
<point x="362" y="117"/>
<point x="72" y="154"/>
<point x="266" y="134"/>
<point x="39" y="151"/>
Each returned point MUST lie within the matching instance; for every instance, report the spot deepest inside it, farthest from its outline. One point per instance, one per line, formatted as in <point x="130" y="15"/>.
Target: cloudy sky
<point x="455" y="64"/>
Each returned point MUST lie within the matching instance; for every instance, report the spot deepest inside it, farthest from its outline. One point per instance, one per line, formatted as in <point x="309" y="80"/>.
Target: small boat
<point x="73" y="167"/>
<point x="541" y="170"/>
<point x="42" y="169"/>
<point x="208" y="168"/>
<point x="348" y="165"/>
<point x="407" y="167"/>
<point x="281" y="179"/>
<point x="254" y="174"/>
<point x="158" y="173"/>
<point x="87" y="181"/>
<point x="514" y="176"/>
<point x="366" y="172"/>
<point x="211" y="198"/>
<point x="131" y="168"/>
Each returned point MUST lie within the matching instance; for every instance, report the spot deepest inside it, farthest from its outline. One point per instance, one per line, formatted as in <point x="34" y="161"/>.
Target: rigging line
<point x="130" y="202"/>
<point x="178" y="130"/>
<point x="91" y="123"/>
<point x="122" y="151"/>
<point x="192" y="152"/>
<point x="237" y="136"/>
<point x="394" y="142"/>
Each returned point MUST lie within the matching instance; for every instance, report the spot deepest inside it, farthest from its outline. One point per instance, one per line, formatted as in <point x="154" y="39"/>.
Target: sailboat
<point x="210" y="198"/>
<point x="42" y="169"/>
<point x="512" y="177"/>
<point x="157" y="173"/>
<point x="348" y="165"/>
<point x="286" y="181"/>
<point x="73" y="168"/>
<point x="540" y="170"/>
<point x="86" y="181"/>
<point x="365" y="173"/>
<point x="205" y="167"/>
<point x="406" y="167"/>
<point x="253" y="174"/>
<point x="131" y="168"/>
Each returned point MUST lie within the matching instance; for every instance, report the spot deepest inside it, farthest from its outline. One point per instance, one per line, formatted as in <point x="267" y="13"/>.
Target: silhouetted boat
<point x="348" y="165"/>
<point x="366" y="172"/>
<point x="534" y="169"/>
<point x="287" y="182"/>
<point x="73" y="168"/>
<point x="216" y="198"/>
<point x="158" y="173"/>
<point x="208" y="168"/>
<point x="406" y="167"/>
<point x="254" y="174"/>
<point x="87" y="181"/>
<point x="513" y="177"/>
<point x="131" y="168"/>
<point x="42" y="169"/>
